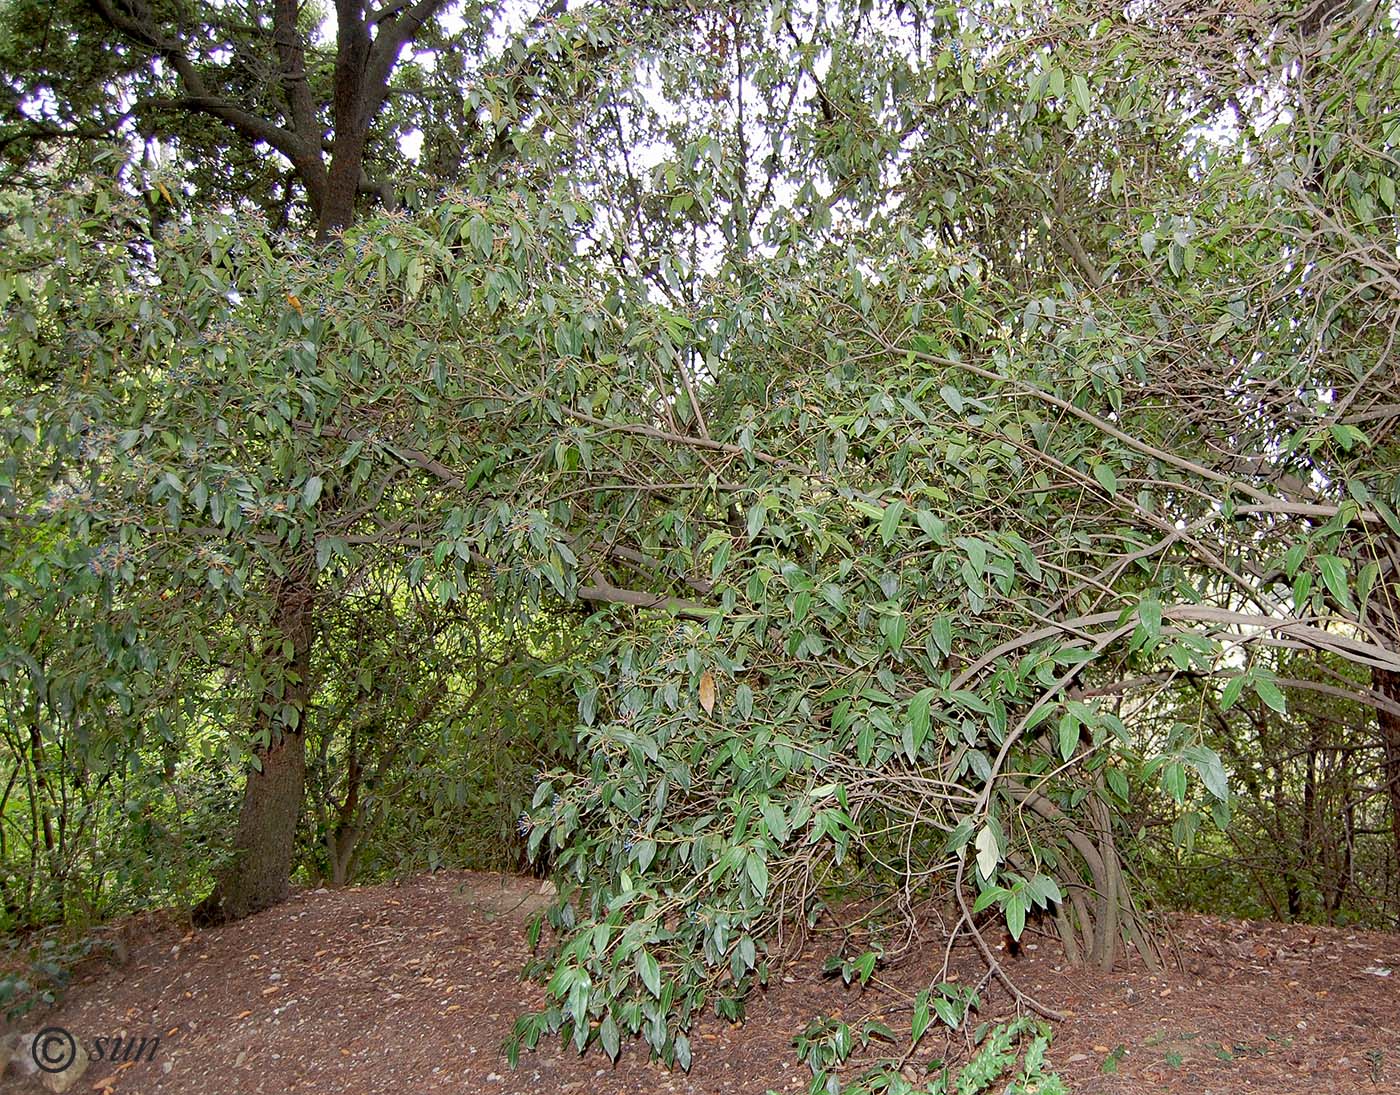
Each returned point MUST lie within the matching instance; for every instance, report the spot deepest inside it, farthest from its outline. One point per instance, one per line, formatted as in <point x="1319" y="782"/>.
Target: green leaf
<point x="952" y="397"/>
<point x="758" y="515"/>
<point x="911" y="747"/>
<point x="1069" y="734"/>
<point x="311" y="491"/>
<point x="889" y="523"/>
<point x="1150" y="616"/>
<point x="1080" y="88"/>
<point x="801" y="605"/>
<point x="922" y="1016"/>
<point x="1267" y="691"/>
<point x="743" y="701"/>
<point x="1104" y="474"/>
<point x="943" y="634"/>
<point x="1046" y="890"/>
<point x="650" y="972"/>
<point x="776" y="821"/>
<point x="1174" y="781"/>
<point x="1334" y="577"/>
<point x="757" y="871"/>
<point x="610" y="1038"/>
<point x="919" y="715"/>
<point x="1388" y="515"/>
<point x="717" y="564"/>
<point x="1208" y="766"/>
<point x="932" y="525"/>
<point x="1016" y="915"/>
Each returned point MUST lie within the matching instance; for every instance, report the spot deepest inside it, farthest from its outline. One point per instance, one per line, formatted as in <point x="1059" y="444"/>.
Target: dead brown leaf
<point x="707" y="692"/>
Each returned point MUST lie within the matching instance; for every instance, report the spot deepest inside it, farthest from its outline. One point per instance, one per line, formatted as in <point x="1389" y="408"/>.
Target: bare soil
<point x="413" y="988"/>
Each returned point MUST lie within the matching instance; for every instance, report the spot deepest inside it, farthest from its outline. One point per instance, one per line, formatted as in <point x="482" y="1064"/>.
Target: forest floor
<point x="413" y="988"/>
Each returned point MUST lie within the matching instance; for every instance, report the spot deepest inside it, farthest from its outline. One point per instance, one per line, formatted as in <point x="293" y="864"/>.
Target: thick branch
<point x="396" y="27"/>
<point x="292" y="53"/>
<point x="134" y="23"/>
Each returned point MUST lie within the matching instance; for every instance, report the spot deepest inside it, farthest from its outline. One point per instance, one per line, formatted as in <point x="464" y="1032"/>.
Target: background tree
<point x="199" y="85"/>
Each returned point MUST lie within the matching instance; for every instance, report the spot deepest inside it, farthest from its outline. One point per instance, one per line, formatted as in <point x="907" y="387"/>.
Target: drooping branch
<point x="1271" y="630"/>
<point x="597" y="589"/>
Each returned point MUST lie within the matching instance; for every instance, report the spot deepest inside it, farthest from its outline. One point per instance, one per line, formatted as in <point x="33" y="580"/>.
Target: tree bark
<point x="350" y="109"/>
<point x="259" y="875"/>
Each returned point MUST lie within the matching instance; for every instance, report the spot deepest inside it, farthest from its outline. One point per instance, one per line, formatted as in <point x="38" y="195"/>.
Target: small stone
<point x="15" y="1050"/>
<point x="61" y="1081"/>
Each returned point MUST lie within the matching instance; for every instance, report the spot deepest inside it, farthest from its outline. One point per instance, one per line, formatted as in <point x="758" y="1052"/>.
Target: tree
<point x="913" y="458"/>
<point x="239" y="89"/>
<point x="199" y="80"/>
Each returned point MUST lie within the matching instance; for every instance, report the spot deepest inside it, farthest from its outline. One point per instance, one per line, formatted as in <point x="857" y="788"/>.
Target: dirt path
<point x="413" y="988"/>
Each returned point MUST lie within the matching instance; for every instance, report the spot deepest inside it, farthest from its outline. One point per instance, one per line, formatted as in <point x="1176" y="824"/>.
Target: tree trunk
<point x="1387" y="684"/>
<point x="341" y="848"/>
<point x="344" y="837"/>
<point x="1293" y="856"/>
<point x="352" y="112"/>
<point x="265" y="844"/>
<point x="259" y="875"/>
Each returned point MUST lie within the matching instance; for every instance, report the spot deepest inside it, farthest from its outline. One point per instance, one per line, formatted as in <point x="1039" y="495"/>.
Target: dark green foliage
<point x="811" y="453"/>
